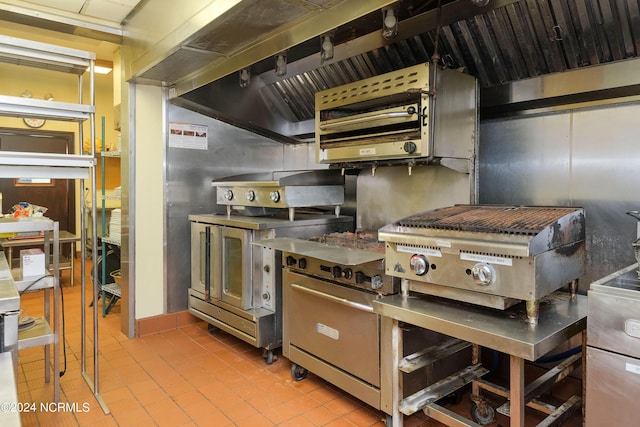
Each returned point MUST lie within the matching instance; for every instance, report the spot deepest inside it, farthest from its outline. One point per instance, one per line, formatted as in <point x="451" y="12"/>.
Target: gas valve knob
<point x="275" y="196"/>
<point x="376" y="282"/>
<point x="251" y="195"/>
<point x="228" y="195"/>
<point x="289" y="260"/>
<point x="483" y="274"/>
<point x="419" y="264"/>
<point x="336" y="272"/>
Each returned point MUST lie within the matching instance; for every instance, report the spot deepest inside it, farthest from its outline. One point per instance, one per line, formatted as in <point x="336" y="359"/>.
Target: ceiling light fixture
<point x="101" y="66"/>
<point x="389" y="22"/>
<point x="281" y="64"/>
<point x="245" y="77"/>
<point x="326" y="47"/>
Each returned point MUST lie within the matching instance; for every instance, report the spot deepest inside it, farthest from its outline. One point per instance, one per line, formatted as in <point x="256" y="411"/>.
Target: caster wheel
<point x="298" y="372"/>
<point x="483" y="414"/>
<point x="269" y="357"/>
<point x="212" y="329"/>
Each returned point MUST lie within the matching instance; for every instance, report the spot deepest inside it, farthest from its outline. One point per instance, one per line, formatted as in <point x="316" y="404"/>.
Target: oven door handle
<point x="333" y="298"/>
<point x="357" y="120"/>
<point x="207" y="264"/>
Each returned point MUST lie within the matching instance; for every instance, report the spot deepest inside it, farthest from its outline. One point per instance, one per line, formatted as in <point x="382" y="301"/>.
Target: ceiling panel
<point x="108" y="10"/>
<point x="114" y="11"/>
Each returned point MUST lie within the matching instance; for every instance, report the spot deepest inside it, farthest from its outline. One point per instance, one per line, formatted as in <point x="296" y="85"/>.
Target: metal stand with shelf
<point x="61" y="166"/>
<point x="43" y="333"/>
<point x="561" y="318"/>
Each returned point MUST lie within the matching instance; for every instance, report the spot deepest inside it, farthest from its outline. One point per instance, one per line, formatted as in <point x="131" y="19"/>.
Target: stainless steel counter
<point x="503" y="330"/>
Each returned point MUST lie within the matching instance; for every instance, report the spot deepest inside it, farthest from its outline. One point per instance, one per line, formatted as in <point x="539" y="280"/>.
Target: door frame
<point x="72" y="206"/>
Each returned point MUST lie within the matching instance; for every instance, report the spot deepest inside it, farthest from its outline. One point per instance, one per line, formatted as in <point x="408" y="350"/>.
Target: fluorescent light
<point x="102" y="67"/>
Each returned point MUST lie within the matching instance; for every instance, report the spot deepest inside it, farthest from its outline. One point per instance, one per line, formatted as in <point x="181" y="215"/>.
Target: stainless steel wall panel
<point x="525" y="161"/>
<point x="231" y="151"/>
<point x="579" y="158"/>
<point x="392" y="193"/>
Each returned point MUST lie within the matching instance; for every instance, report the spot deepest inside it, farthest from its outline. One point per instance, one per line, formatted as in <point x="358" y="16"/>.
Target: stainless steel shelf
<point x="43" y="55"/>
<point x="110" y="153"/>
<point x="17" y="106"/>
<point x="44" y="165"/>
<point x="29" y="284"/>
<point x="38" y="335"/>
<point x="15" y="225"/>
<point x="16" y="164"/>
<point x="112" y="241"/>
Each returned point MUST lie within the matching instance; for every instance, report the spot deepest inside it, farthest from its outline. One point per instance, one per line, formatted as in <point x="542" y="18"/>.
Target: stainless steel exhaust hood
<point x="504" y="42"/>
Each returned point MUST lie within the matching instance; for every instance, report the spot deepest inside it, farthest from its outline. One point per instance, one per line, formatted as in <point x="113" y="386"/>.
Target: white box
<point x="32" y="262"/>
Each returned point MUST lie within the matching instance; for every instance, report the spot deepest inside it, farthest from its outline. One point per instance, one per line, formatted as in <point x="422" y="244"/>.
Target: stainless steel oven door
<point x="205" y="261"/>
<point x="334" y="324"/>
<point x="236" y="261"/>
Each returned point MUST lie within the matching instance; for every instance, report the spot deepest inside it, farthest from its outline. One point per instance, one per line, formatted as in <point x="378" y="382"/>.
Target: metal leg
<point x="516" y="391"/>
<point x="573" y="289"/>
<point x="475" y="358"/>
<point x="396" y="339"/>
<point x="533" y="310"/>
<point x="72" y="257"/>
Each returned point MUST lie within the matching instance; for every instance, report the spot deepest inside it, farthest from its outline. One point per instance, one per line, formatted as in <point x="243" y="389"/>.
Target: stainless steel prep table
<point x="505" y="331"/>
<point x="65" y="238"/>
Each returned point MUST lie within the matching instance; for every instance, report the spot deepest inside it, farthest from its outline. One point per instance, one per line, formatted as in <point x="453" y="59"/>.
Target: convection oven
<point x="236" y="286"/>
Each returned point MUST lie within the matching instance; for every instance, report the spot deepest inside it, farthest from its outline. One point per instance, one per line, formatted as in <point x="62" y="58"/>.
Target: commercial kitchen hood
<point x="513" y="47"/>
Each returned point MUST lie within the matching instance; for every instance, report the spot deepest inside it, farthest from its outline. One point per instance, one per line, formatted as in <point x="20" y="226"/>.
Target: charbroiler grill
<point x="495" y="256"/>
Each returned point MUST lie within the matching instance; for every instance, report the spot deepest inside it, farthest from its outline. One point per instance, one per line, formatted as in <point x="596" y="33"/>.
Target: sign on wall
<point x="186" y="135"/>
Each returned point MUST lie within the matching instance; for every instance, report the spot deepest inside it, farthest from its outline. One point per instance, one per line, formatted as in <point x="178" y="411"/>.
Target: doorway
<point x="57" y="195"/>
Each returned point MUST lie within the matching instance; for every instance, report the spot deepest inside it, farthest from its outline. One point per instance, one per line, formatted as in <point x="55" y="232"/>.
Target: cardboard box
<point x="32" y="262"/>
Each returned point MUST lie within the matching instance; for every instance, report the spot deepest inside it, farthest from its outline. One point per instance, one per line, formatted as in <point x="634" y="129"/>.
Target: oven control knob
<point x="419" y="264"/>
<point x="376" y="282"/>
<point x="483" y="274"/>
<point x="360" y="277"/>
<point x="336" y="272"/>
<point x="302" y="263"/>
<point x="251" y="195"/>
<point x="266" y="296"/>
<point x="289" y="260"/>
<point x="228" y="195"/>
<point x="347" y="273"/>
<point x="410" y="147"/>
<point x="275" y="196"/>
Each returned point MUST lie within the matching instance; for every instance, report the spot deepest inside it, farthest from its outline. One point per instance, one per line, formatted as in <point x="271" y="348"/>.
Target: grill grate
<point x="525" y="220"/>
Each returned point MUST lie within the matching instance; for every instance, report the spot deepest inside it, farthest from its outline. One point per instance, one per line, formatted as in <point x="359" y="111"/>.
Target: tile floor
<point x="184" y="377"/>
